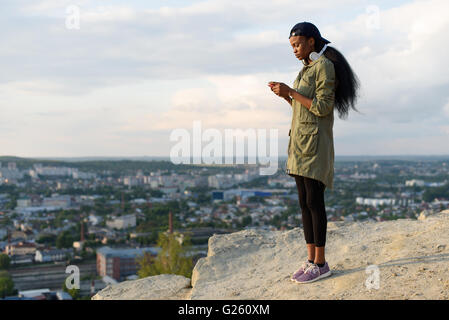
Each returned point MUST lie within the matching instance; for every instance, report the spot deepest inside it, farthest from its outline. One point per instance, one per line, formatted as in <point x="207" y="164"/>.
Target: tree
<point x="48" y="239"/>
<point x="4" y="261"/>
<point x="74" y="293"/>
<point x="246" y="221"/>
<point x="64" y="240"/>
<point x="172" y="259"/>
<point x="6" y="284"/>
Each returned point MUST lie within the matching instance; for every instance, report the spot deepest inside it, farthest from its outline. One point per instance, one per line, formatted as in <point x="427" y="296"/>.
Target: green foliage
<point x="74" y="293"/>
<point x="12" y="204"/>
<point x="149" y="239"/>
<point x="256" y="199"/>
<point x="156" y="217"/>
<point x="6" y="284"/>
<point x="255" y="183"/>
<point x="172" y="259"/>
<point x="91" y="243"/>
<point x="436" y="192"/>
<point x="4" y="261"/>
<point x="246" y="221"/>
<point x="203" y="198"/>
<point x="7" y="188"/>
<point x="48" y="239"/>
<point x="64" y="240"/>
<point x="118" y="167"/>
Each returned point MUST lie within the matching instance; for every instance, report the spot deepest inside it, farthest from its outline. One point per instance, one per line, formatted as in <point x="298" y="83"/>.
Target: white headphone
<point x="314" y="56"/>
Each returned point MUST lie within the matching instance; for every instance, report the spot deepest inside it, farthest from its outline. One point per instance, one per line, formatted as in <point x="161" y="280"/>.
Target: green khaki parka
<point x="311" y="143"/>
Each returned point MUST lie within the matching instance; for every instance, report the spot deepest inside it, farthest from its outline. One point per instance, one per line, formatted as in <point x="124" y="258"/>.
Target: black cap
<point x="307" y="29"/>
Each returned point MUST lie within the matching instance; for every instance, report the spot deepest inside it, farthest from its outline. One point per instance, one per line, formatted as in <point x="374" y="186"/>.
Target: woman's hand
<point x="280" y="89"/>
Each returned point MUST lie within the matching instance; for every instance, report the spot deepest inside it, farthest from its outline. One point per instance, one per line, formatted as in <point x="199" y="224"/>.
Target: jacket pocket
<point x="307" y="139"/>
<point x="304" y="82"/>
<point x="307" y="80"/>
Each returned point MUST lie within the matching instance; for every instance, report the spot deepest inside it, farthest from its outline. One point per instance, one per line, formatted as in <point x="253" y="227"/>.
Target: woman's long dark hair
<point x="347" y="82"/>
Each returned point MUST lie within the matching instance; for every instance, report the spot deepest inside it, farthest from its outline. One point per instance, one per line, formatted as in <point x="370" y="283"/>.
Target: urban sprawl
<point x="101" y="215"/>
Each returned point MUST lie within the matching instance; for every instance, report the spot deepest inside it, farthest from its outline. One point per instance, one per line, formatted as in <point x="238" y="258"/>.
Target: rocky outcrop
<point x="161" y="287"/>
<point x="400" y="259"/>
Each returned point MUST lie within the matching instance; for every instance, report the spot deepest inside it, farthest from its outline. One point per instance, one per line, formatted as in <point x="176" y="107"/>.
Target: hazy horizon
<point x="337" y="157"/>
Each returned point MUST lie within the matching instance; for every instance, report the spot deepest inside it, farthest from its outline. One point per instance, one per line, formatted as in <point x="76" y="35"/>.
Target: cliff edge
<point x="406" y="259"/>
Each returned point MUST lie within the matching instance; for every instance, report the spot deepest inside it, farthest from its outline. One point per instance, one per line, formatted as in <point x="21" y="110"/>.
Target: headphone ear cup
<point x="313" y="56"/>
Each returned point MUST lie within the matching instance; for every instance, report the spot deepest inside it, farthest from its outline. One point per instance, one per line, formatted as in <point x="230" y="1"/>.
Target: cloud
<point x="399" y="64"/>
<point x="446" y="108"/>
<point x="118" y="43"/>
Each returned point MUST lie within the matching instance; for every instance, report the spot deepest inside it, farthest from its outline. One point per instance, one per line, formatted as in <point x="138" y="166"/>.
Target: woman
<point x="325" y="81"/>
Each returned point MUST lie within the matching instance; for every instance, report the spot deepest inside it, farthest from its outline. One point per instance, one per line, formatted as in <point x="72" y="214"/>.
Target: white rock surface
<point x="161" y="287"/>
<point x="412" y="257"/>
<point x="424" y="214"/>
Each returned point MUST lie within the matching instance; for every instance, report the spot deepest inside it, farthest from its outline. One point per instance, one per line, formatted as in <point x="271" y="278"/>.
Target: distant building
<point x="62" y="201"/>
<point x="52" y="171"/>
<point x="62" y="295"/>
<point x="154" y="184"/>
<point x="94" y="220"/>
<point x="82" y="175"/>
<point x="78" y="245"/>
<point x="245" y="193"/>
<point x="382" y="201"/>
<point x="24" y="202"/>
<point x="3" y="233"/>
<point x="169" y="189"/>
<point x="38" y="294"/>
<point x="363" y="176"/>
<point x="220" y="181"/>
<point x="132" y="181"/>
<point x="22" y="258"/>
<point x="10" y="173"/>
<point x="52" y="255"/>
<point x="414" y="182"/>
<point x="122" y="222"/>
<point x="120" y="263"/>
<point x="217" y="195"/>
<point x="20" y="248"/>
<point x="18" y="235"/>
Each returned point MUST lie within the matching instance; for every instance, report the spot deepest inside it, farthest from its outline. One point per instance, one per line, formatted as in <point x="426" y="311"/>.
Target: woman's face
<point x="302" y="46"/>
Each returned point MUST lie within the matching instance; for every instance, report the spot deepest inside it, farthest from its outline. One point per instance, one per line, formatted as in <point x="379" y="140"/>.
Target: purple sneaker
<point x="314" y="273"/>
<point x="301" y="270"/>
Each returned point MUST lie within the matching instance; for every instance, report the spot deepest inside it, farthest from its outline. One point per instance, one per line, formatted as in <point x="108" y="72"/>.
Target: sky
<point x="126" y="74"/>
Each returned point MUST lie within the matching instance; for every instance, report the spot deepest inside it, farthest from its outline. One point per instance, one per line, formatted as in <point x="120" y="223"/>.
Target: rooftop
<point x="126" y="252"/>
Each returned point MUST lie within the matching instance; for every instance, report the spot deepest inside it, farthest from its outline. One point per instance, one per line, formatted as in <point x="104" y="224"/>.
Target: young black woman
<point x="325" y="82"/>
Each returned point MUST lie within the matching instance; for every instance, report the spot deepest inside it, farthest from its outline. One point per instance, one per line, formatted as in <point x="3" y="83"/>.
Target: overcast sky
<point x="136" y="70"/>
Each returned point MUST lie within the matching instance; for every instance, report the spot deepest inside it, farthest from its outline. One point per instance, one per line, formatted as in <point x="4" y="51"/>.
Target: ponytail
<point x="347" y="82"/>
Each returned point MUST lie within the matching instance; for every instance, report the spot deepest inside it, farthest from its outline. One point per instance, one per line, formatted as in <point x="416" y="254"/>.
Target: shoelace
<point x="313" y="268"/>
<point x="304" y="266"/>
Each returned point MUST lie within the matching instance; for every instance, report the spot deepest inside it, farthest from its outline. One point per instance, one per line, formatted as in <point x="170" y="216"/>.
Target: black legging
<point x="311" y="201"/>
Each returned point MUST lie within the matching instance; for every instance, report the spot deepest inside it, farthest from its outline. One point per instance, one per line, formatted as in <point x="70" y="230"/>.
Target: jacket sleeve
<point x="294" y="88"/>
<point x="324" y="99"/>
<point x="295" y="85"/>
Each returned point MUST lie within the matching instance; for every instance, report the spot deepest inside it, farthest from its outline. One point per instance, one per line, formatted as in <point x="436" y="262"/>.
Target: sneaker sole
<point x="324" y="275"/>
